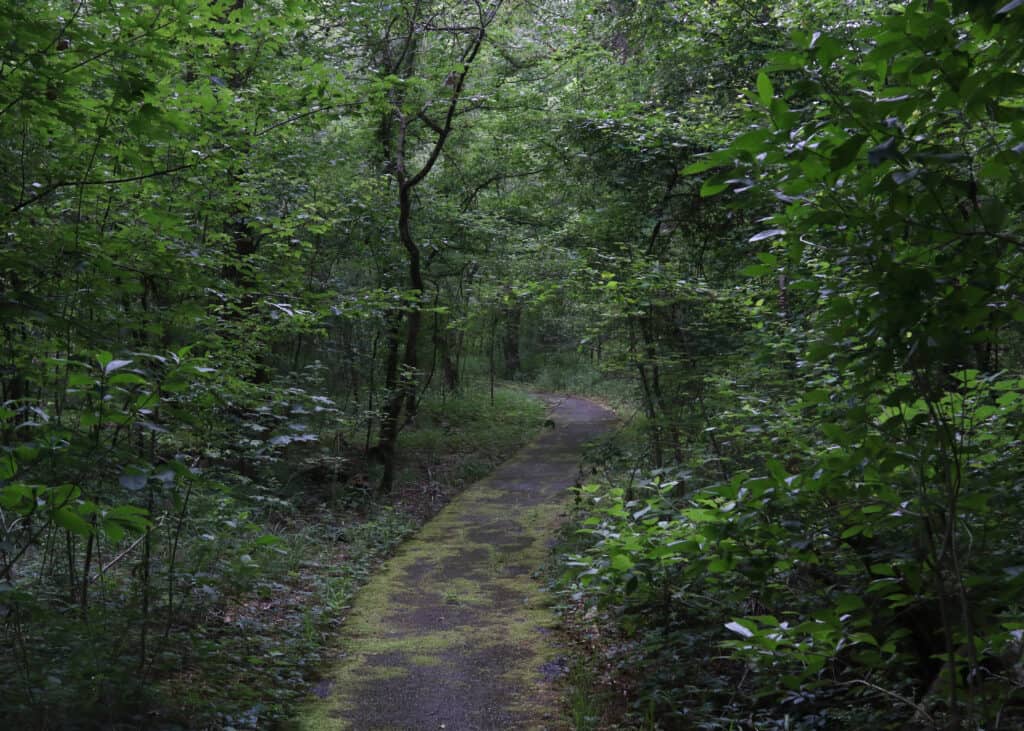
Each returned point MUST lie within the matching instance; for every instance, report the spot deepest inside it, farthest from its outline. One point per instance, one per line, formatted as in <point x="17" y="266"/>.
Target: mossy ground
<point x="455" y="631"/>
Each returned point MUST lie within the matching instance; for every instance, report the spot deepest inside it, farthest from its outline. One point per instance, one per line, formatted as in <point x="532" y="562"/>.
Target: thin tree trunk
<point x="490" y="356"/>
<point x="414" y="319"/>
<point x="392" y="411"/>
<point x="405" y="384"/>
<point x="513" y="318"/>
<point x="648" y="397"/>
<point x="83" y="599"/>
<point x="370" y="389"/>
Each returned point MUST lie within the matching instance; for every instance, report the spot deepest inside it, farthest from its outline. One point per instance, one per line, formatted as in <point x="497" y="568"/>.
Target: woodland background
<point x="274" y="272"/>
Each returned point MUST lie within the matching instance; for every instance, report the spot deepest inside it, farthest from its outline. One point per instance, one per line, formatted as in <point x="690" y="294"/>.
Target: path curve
<point x="454" y="632"/>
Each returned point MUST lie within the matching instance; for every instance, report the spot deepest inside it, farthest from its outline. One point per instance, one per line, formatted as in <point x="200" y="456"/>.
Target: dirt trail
<point x="454" y="633"/>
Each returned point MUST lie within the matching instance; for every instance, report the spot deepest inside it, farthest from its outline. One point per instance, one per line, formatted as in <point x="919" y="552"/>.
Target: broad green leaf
<point x="124" y="379"/>
<point x="8" y="466"/>
<point x="765" y="91"/>
<point x="68" y="519"/>
<point x="701" y="166"/>
<point x="714" y="185"/>
<point x="621" y="562"/>
<point x="18" y="497"/>
<point x="718" y="565"/>
<point x="846" y="153"/>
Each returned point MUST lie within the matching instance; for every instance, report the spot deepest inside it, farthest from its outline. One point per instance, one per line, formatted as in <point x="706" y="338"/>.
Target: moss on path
<point x="454" y="633"/>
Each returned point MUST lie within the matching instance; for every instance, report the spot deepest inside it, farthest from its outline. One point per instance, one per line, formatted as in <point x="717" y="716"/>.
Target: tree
<point x="426" y="54"/>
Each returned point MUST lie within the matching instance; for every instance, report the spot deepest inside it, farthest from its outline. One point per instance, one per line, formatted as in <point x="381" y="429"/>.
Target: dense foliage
<point x="841" y="511"/>
<point x="266" y="264"/>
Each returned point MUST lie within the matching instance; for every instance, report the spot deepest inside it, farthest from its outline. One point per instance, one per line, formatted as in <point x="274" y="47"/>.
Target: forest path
<point x="454" y="633"/>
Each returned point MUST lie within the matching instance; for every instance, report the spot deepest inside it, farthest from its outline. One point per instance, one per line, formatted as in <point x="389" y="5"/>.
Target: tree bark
<point x="513" y="318"/>
<point x="388" y="439"/>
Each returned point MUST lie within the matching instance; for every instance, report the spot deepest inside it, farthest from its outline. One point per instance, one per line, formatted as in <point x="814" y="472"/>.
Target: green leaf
<point x="713" y="186"/>
<point x="757" y="270"/>
<point x="781" y="116"/>
<point x="849" y="603"/>
<point x="8" y="466"/>
<point x="123" y="379"/>
<point x="621" y="562"/>
<point x="133" y="518"/>
<point x="770" y="233"/>
<point x="846" y="153"/>
<point x="719" y="565"/>
<point x="858" y="637"/>
<point x="853" y="530"/>
<point x="701" y="166"/>
<point x="114" y="532"/>
<point x="268" y="540"/>
<point x="76" y="380"/>
<point x="68" y="519"/>
<point x="18" y="497"/>
<point x="815" y="396"/>
<point x="765" y="91"/>
<point x="26" y="452"/>
<point x="827" y="50"/>
<point x="790" y="61"/>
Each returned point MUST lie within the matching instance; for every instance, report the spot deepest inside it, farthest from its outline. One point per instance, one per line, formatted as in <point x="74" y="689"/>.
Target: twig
<point x="895" y="696"/>
<point x="117" y="559"/>
<point x="303" y="115"/>
<point x="113" y="181"/>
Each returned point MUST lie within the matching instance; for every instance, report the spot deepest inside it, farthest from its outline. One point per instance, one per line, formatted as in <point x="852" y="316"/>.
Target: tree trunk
<point x="385" y="449"/>
<point x="650" y="403"/>
<point x="449" y="368"/>
<point x="513" y="317"/>
<point x="404" y="394"/>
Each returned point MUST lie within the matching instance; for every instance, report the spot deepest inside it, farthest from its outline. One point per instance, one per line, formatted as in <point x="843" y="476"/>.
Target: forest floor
<point x="455" y="632"/>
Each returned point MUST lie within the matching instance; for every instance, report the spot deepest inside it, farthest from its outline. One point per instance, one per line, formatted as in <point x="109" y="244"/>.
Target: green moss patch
<point x="455" y="630"/>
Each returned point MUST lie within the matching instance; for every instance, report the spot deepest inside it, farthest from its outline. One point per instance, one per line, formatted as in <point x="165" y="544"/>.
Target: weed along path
<point x="454" y="632"/>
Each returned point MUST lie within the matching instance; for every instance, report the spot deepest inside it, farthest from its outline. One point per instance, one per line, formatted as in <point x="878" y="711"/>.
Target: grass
<point x="586" y="707"/>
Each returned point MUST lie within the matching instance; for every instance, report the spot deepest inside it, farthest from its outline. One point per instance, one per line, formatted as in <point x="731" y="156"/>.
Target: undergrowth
<point x="267" y="564"/>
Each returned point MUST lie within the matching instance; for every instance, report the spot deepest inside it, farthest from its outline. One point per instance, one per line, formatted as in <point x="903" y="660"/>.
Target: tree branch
<point x="53" y="187"/>
<point x="468" y="56"/>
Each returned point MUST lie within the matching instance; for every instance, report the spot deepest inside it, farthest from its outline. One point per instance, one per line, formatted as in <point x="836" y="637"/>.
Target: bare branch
<point x="430" y="123"/>
<point x="53" y="187"/>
